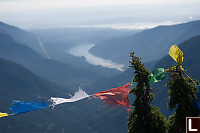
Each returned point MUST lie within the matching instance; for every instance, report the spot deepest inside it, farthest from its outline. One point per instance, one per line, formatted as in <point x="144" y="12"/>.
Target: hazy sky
<point x="101" y="13"/>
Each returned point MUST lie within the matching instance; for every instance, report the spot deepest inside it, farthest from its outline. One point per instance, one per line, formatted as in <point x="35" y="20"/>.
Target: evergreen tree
<point x="182" y="91"/>
<point x="144" y="118"/>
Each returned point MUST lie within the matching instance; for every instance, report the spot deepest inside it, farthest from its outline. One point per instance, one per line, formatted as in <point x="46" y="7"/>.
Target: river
<point x="83" y="51"/>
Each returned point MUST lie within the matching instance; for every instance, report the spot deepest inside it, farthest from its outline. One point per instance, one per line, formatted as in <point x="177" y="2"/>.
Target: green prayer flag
<point x="133" y="83"/>
<point x="157" y="75"/>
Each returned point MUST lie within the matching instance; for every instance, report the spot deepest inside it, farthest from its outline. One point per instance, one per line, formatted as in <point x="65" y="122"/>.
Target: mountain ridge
<point x="146" y="42"/>
<point x="22" y="37"/>
<point x="46" y="68"/>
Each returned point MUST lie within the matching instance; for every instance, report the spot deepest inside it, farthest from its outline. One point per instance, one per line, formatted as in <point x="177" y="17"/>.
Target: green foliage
<point x="144" y="118"/>
<point x="182" y="91"/>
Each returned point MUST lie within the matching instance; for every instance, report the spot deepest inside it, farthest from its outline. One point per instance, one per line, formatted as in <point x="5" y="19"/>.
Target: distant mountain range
<point x="150" y="45"/>
<point x="55" y="71"/>
<point x="25" y="77"/>
<point x="22" y="37"/>
<point x="78" y="35"/>
<point x="9" y="49"/>
<point x="57" y="41"/>
<point x="53" y="43"/>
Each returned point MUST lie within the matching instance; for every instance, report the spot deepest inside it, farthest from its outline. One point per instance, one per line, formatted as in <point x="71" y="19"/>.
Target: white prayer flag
<point x="80" y="94"/>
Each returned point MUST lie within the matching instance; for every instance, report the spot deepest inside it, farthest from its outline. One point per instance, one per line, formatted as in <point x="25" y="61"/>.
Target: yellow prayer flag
<point x="176" y="54"/>
<point x="3" y="114"/>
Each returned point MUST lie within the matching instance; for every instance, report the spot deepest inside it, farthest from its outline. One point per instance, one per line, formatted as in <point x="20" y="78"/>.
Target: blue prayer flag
<point x="20" y="106"/>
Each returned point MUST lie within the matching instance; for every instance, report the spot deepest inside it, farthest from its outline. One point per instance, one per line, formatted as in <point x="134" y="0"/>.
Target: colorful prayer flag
<point x="21" y="107"/>
<point x="80" y="94"/>
<point x="157" y="75"/>
<point x="177" y="55"/>
<point x="115" y="96"/>
<point x="3" y="114"/>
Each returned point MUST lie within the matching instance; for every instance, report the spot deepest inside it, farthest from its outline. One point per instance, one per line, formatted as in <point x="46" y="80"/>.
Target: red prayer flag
<point x="116" y="96"/>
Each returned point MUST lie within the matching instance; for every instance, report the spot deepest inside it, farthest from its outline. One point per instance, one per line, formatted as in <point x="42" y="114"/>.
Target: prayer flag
<point x="20" y="106"/>
<point x="177" y="55"/>
<point x="157" y="75"/>
<point x="3" y="114"/>
<point x="80" y="94"/>
<point x="115" y="96"/>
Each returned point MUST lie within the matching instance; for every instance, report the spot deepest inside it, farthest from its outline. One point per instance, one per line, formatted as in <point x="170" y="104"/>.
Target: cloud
<point x="30" y="5"/>
<point x="51" y="13"/>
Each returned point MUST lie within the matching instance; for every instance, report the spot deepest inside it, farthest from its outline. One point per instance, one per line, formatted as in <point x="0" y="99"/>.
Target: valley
<point x="58" y="61"/>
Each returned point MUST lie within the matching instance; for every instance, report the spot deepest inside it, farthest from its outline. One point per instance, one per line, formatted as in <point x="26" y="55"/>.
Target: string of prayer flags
<point x="115" y="96"/>
<point x="80" y="94"/>
<point x="20" y="106"/>
<point x="157" y="75"/>
<point x="3" y="114"/>
<point x="177" y="55"/>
